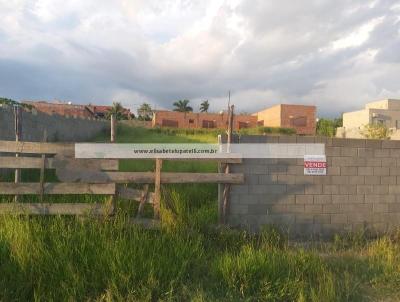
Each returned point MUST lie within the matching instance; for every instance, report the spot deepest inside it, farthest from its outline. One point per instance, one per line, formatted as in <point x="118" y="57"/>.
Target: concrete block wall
<point x="361" y="190"/>
<point x="58" y="128"/>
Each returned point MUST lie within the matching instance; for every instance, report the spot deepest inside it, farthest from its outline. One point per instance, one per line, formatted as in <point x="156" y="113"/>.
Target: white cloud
<point x="316" y="52"/>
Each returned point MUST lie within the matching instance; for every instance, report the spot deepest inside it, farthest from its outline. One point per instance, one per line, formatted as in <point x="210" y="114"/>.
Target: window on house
<point x="243" y="125"/>
<point x="169" y="123"/>
<point x="208" y="124"/>
<point x="299" y="121"/>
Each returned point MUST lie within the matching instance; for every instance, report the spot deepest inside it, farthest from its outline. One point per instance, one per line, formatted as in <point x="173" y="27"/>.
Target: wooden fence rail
<point x="90" y="176"/>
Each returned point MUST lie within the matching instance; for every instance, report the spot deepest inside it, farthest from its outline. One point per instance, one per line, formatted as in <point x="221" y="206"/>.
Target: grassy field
<point x="68" y="259"/>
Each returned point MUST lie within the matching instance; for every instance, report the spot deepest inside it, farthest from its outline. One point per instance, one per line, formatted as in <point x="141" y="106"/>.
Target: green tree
<point x="376" y="131"/>
<point x="182" y="106"/>
<point x="117" y="110"/>
<point x="327" y="127"/>
<point x="204" y="106"/>
<point x="145" y="112"/>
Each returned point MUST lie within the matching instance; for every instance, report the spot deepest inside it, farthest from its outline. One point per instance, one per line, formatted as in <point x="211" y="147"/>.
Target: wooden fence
<point x="89" y="176"/>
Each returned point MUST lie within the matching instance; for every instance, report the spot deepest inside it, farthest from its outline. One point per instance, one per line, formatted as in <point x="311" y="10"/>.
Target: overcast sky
<point x="335" y="54"/>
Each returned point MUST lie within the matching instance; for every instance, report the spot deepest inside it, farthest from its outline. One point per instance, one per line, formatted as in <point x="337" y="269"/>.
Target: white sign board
<point x="315" y="165"/>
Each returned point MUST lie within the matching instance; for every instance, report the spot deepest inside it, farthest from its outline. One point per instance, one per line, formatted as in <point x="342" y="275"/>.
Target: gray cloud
<point x="316" y="52"/>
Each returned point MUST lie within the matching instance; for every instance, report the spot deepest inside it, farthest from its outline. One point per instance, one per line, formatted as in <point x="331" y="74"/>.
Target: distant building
<point x="299" y="117"/>
<point x="61" y="108"/>
<point x="68" y="109"/>
<point x="165" y="118"/>
<point x="385" y="112"/>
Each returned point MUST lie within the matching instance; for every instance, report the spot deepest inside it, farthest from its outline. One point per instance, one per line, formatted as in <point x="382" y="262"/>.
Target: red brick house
<point x="299" y="117"/>
<point x="164" y="118"/>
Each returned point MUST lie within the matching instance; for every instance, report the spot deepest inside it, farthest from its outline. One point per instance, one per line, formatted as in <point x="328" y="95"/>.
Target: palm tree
<point x="204" y="106"/>
<point x="145" y="112"/>
<point x="117" y="110"/>
<point x="182" y="106"/>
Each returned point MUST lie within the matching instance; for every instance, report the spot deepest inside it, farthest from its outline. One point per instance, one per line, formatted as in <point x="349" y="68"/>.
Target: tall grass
<point x="109" y="259"/>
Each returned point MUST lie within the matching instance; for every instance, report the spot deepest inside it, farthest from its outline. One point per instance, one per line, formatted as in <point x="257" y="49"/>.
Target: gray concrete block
<point x="394" y="207"/>
<point x="238" y="209"/>
<point x="313" y="208"/>
<point x="381" y="153"/>
<point x="347" y="189"/>
<point x="365" y="152"/>
<point x="295" y="208"/>
<point x="380" y="208"/>
<point x="304" y="199"/>
<point x="277" y="199"/>
<point x="295" y="189"/>
<point x="275" y="189"/>
<point x="313" y="189"/>
<point x="267" y="179"/>
<point x="394" y="189"/>
<point x="331" y="208"/>
<point x="333" y="151"/>
<point x="388" y="180"/>
<point x="348" y="171"/>
<point x="322" y="180"/>
<point x="339" y="218"/>
<point x="394" y="171"/>
<point x="356" y="198"/>
<point x="331" y="189"/>
<point x="395" y="153"/>
<point x="389" y="144"/>
<point x="339" y="199"/>
<point x="258" y="209"/>
<point x="375" y="198"/>
<point x="348" y="151"/>
<point x="372" y="180"/>
<point x="373" y="162"/>
<point x="388" y="162"/>
<point x="356" y="180"/>
<point x="286" y="179"/>
<point x="334" y="170"/>
<point x="304" y="179"/>
<point x="365" y="189"/>
<point x="304" y="218"/>
<point x="381" y="171"/>
<point x="322" y="218"/>
<point x="240" y="189"/>
<point x="248" y="198"/>
<point x="381" y="189"/>
<point x="373" y="143"/>
<point x="365" y="171"/>
<point x="323" y="199"/>
<point x="340" y="180"/>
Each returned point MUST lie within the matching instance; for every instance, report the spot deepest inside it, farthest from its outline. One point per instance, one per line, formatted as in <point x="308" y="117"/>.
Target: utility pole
<point x="18" y="136"/>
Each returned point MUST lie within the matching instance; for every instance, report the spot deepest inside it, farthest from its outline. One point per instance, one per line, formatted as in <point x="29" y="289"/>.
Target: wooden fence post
<point x="157" y="189"/>
<point x="113" y="126"/>
<point x="18" y="136"/>
<point x="42" y="168"/>
<point x="227" y="187"/>
<point x="143" y="200"/>
<point x="220" y="186"/>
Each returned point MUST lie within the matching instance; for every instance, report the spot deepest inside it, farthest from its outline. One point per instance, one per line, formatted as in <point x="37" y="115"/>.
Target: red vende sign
<point x="314" y="164"/>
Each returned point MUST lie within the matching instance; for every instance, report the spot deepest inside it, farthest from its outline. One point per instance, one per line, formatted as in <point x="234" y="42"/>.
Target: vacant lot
<point x="189" y="258"/>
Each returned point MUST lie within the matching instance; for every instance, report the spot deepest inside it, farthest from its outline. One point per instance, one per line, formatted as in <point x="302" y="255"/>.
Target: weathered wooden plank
<point x="235" y="160"/>
<point x="7" y="188"/>
<point x="55" y="208"/>
<point x="157" y="189"/>
<point x="149" y="177"/>
<point x="52" y="163"/>
<point x="134" y="194"/>
<point x="67" y="149"/>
